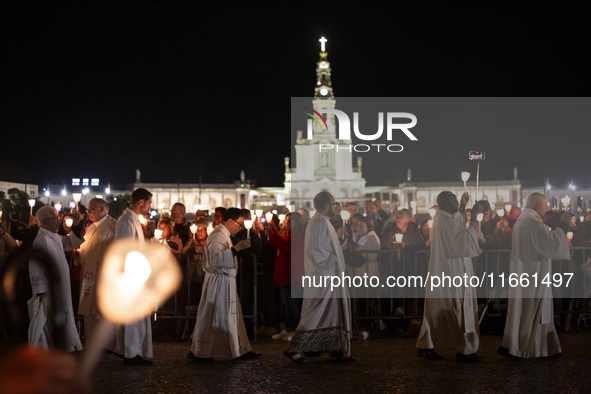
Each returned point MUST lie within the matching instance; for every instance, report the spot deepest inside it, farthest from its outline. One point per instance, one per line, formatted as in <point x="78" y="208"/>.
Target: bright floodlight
<point x="135" y="277"/>
<point x="465" y="176"/>
<point x="64" y="192"/>
<point x="345" y="215"/>
<point x="46" y="193"/>
<point x="572" y="187"/>
<point x="77" y="197"/>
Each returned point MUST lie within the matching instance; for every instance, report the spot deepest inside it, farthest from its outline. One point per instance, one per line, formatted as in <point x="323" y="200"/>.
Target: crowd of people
<point x="311" y="321"/>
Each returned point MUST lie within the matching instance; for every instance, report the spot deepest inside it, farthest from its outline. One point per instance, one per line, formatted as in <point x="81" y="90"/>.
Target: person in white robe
<point x="529" y="329"/>
<point x="325" y="322"/>
<point x="368" y="303"/>
<point x="39" y="305"/>
<point x="134" y="341"/>
<point x="97" y="239"/>
<point x="219" y="331"/>
<point x="450" y="317"/>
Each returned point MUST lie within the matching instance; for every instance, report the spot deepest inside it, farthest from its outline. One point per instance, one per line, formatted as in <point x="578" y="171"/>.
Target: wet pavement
<point x="383" y="365"/>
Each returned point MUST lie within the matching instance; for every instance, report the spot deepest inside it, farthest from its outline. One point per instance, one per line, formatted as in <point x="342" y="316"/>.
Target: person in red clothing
<point x="289" y="269"/>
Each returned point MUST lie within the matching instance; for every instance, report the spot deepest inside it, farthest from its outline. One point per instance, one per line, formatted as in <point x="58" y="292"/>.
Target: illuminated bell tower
<point x="316" y="170"/>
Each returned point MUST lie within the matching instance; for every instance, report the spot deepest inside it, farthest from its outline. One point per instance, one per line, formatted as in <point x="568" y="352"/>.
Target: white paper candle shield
<point x="500" y="212"/>
<point x="134" y="279"/>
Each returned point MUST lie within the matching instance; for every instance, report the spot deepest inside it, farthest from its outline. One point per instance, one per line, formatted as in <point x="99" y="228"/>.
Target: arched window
<point x="421" y="202"/>
<point x="228" y="202"/>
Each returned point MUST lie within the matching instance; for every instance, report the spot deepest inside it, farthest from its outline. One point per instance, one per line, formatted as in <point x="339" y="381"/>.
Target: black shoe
<point x="249" y="356"/>
<point x="313" y="354"/>
<point x="503" y="351"/>
<point x="137" y="360"/>
<point x="429" y="354"/>
<point x="468" y="358"/>
<point x="296" y="358"/>
<point x="191" y="358"/>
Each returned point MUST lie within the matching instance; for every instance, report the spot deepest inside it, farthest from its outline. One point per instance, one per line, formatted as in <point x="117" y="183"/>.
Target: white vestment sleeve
<point x="125" y="229"/>
<point x="464" y="241"/>
<point x="71" y="242"/>
<point x="552" y="245"/>
<point x="39" y="281"/>
<point x="221" y="255"/>
<point x="319" y="250"/>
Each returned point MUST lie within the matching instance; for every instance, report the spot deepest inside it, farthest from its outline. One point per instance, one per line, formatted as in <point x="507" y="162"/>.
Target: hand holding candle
<point x="500" y="212"/>
<point x="32" y="202"/>
<point x="465" y="177"/>
<point x="479" y="218"/>
<point x="193" y="229"/>
<point x="248" y="225"/>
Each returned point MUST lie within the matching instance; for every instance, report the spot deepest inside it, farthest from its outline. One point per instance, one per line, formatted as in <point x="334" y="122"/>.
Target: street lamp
<point x="64" y="192"/>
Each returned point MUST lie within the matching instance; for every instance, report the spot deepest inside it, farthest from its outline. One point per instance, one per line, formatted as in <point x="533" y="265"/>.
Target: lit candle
<point x="398" y="237"/>
<point x="134" y="278"/>
<point x="413" y="205"/>
<point x="58" y="207"/>
<point x="345" y="215"/>
<point x="569" y="235"/>
<point x="274" y="211"/>
<point x="508" y="208"/>
<point x="77" y="197"/>
<point x="479" y="217"/>
<point x="69" y="222"/>
<point x="248" y="226"/>
<point x="193" y="229"/>
<point x="269" y="216"/>
<point x="465" y="177"/>
<point x="430" y="222"/>
<point x="143" y="220"/>
<point x="209" y="229"/>
<point x="282" y="217"/>
<point x="32" y="202"/>
<point x="500" y="213"/>
<point x="259" y="213"/>
<point x="432" y="212"/>
<point x="158" y="234"/>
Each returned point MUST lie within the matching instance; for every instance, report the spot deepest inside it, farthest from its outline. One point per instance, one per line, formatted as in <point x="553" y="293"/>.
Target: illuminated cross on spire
<point x="322" y="42"/>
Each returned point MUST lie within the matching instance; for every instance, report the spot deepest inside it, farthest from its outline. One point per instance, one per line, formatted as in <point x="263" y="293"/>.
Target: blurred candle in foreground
<point x="143" y="220"/>
<point x="268" y="216"/>
<point x="158" y="234"/>
<point x="282" y="217"/>
<point x="259" y="212"/>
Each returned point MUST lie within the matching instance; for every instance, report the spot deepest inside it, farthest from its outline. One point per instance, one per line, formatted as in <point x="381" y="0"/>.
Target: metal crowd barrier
<point x="166" y="311"/>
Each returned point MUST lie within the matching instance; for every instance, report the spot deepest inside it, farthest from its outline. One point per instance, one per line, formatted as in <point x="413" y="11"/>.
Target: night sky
<point x="178" y="91"/>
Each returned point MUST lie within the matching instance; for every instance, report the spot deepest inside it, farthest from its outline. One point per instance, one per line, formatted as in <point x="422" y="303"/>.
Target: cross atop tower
<point x="322" y="42"/>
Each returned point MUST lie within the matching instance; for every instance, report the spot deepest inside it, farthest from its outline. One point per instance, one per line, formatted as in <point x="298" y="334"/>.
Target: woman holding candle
<point x="289" y="269"/>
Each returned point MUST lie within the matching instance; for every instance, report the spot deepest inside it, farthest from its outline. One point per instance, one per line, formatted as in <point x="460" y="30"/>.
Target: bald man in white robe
<point x="97" y="239"/>
<point x="39" y="305"/>
<point x="529" y="329"/>
<point x="451" y="313"/>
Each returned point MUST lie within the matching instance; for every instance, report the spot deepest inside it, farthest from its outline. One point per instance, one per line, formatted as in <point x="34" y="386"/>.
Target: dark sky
<point x="186" y="90"/>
